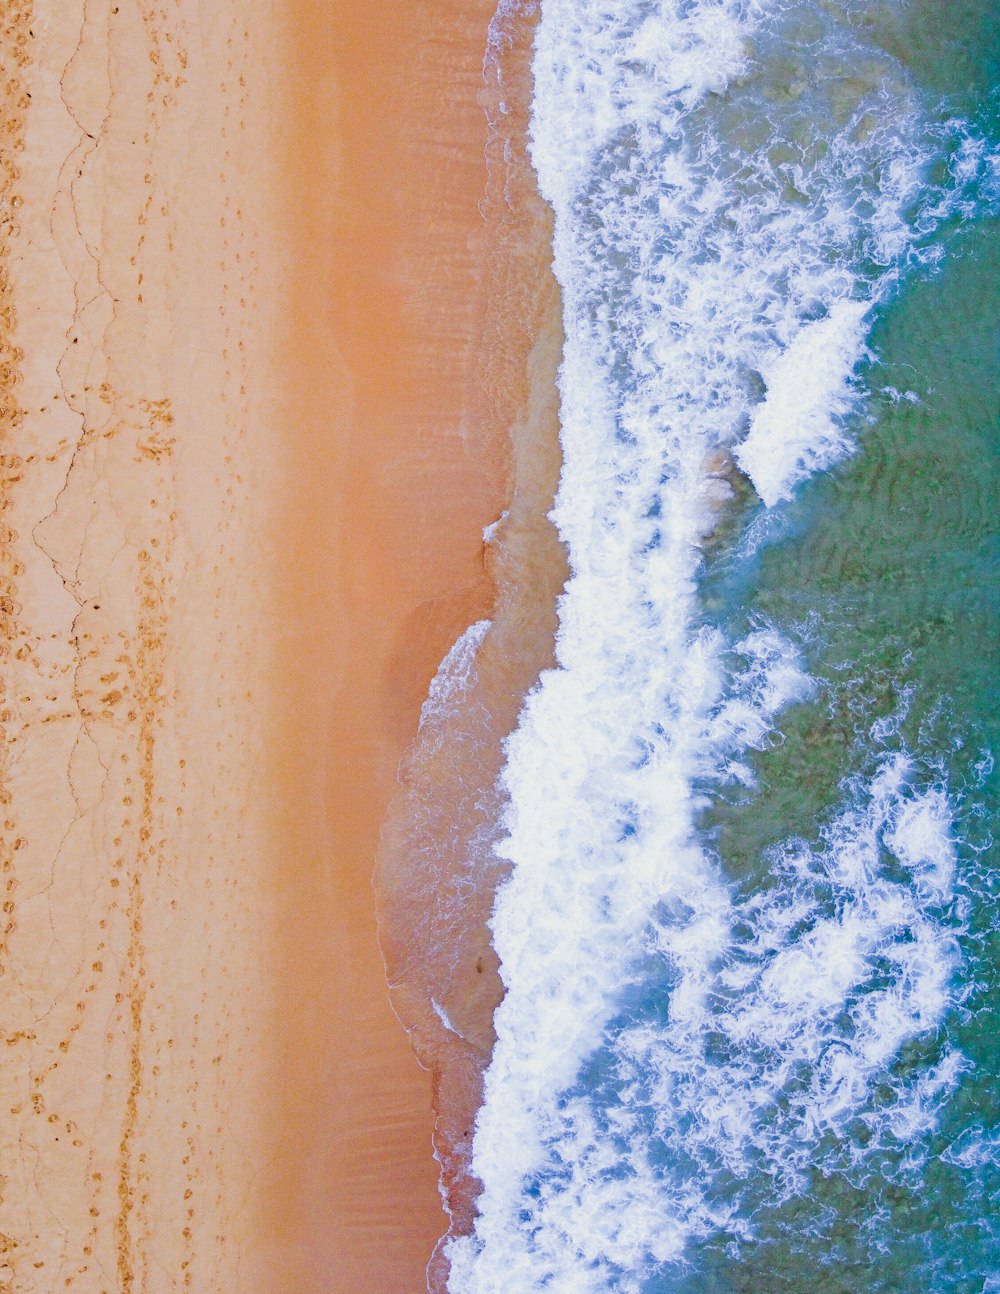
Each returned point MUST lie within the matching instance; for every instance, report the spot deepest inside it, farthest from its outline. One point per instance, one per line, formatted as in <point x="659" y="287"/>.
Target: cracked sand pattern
<point x="126" y="1156"/>
<point x="248" y="457"/>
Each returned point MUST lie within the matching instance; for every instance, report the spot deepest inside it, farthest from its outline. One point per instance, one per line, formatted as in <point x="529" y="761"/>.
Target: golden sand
<point x="385" y="568"/>
<point x="134" y="997"/>
<point x="244" y="485"/>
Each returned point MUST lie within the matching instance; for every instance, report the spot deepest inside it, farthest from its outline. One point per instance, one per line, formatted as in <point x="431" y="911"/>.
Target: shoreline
<point x="245" y="486"/>
<point x="436" y="876"/>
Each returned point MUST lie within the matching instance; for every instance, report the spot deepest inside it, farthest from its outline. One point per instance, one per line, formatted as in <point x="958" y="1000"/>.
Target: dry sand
<point x="242" y="507"/>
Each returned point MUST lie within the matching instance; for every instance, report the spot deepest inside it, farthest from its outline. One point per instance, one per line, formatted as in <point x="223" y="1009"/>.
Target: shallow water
<point x="748" y="932"/>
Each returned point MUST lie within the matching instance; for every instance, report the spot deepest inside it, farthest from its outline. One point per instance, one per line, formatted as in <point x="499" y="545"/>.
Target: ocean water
<point x="750" y="922"/>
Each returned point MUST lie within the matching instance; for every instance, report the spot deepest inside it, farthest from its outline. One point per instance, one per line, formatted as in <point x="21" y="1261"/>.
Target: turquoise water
<point x="888" y="566"/>
<point x="751" y="938"/>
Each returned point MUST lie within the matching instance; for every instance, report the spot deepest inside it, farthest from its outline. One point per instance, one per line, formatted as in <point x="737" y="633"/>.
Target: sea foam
<point x="455" y="675"/>
<point x="727" y="225"/>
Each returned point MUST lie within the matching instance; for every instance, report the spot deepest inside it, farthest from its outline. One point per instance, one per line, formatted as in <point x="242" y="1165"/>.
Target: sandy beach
<point x="244" y="493"/>
<point x="392" y="488"/>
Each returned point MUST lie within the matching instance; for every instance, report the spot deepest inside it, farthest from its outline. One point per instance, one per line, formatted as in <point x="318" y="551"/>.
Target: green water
<point x="889" y="564"/>
<point x="886" y="572"/>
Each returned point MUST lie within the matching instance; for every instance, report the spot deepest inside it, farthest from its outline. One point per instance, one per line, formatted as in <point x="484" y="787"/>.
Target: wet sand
<point x="394" y="484"/>
<point x="242" y="513"/>
<point x="437" y="873"/>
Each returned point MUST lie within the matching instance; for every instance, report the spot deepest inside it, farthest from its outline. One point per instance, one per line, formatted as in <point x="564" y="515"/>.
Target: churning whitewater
<point x="736" y="959"/>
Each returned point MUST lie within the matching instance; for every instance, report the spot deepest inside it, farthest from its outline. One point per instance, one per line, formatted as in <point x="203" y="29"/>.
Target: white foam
<point x="694" y="266"/>
<point x="785" y="1013"/>
<point x="974" y="1148"/>
<point x="490" y="531"/>
<point x="772" y="677"/>
<point x="921" y="839"/>
<point x="798" y="429"/>
<point x="443" y="1016"/>
<point x="455" y="675"/>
